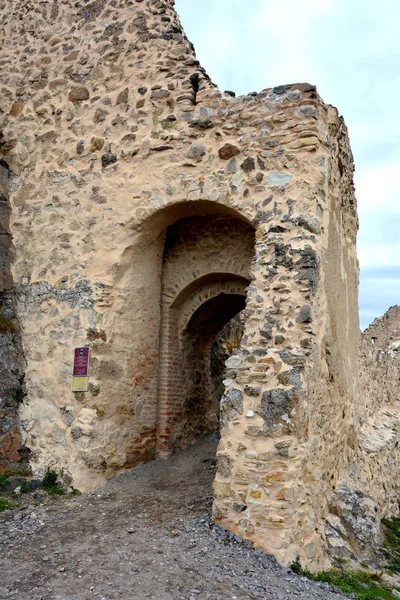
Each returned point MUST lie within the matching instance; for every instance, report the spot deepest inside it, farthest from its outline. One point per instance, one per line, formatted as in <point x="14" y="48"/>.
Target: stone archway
<point x="206" y="270"/>
<point x="200" y="373"/>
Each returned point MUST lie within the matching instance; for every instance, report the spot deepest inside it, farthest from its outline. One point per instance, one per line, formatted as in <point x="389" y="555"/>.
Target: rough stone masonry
<point x="141" y="210"/>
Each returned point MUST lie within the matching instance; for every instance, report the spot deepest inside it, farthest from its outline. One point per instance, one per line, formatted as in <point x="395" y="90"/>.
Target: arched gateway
<point x="206" y="268"/>
<point x="147" y="209"/>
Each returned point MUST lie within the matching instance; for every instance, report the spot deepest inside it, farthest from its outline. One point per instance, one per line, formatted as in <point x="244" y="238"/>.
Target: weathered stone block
<point x="78" y="93"/>
<point x="228" y="151"/>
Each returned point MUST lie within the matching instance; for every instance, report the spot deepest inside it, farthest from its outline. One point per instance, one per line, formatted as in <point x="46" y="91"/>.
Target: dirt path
<point x="146" y="534"/>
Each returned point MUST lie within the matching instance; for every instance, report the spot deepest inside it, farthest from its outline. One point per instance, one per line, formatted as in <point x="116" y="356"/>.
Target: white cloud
<point x="378" y="195"/>
<point x="379" y="255"/>
<point x="378" y="189"/>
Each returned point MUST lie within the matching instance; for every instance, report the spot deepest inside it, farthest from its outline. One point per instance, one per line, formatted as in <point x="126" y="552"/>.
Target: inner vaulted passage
<point x="205" y="274"/>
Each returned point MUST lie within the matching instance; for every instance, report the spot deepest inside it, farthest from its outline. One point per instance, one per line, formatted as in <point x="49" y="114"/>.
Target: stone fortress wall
<point x="379" y="409"/>
<point x="12" y="453"/>
<point x="144" y="205"/>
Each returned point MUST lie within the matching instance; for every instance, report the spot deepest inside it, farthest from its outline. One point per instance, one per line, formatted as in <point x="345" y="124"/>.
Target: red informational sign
<point x="81" y="362"/>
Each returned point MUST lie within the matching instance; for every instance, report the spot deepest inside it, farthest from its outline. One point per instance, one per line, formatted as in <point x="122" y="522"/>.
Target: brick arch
<point x="206" y="260"/>
<point x="206" y="290"/>
<point x="154" y="216"/>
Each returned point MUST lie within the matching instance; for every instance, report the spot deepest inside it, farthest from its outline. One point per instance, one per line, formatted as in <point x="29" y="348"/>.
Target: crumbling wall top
<point x="385" y="330"/>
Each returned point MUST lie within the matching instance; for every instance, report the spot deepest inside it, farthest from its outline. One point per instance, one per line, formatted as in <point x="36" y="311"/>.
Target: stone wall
<point x="369" y="490"/>
<point x="379" y="401"/>
<point x="119" y="144"/>
<point x="284" y="453"/>
<point x="385" y="330"/>
<point x="12" y="453"/>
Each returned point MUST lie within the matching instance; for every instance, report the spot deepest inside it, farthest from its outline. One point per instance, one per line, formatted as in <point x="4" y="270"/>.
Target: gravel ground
<point x="146" y="534"/>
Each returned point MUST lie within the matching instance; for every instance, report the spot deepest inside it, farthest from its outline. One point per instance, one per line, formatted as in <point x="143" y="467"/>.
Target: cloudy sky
<point x="351" y="50"/>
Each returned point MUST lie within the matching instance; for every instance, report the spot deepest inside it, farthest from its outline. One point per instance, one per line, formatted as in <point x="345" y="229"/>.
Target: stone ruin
<point x="143" y="211"/>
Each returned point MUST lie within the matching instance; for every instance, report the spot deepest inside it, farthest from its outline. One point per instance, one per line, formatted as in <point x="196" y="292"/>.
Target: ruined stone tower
<point x="141" y="210"/>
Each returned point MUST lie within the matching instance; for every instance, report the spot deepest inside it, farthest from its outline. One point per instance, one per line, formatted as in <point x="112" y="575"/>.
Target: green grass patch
<point x="7" y="324"/>
<point x="24" y="487"/>
<point x="4" y="478"/>
<point x="19" y="395"/>
<point x="6" y="504"/>
<point x="22" y="472"/>
<point x="391" y="547"/>
<point x="51" y="484"/>
<point x="365" y="585"/>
